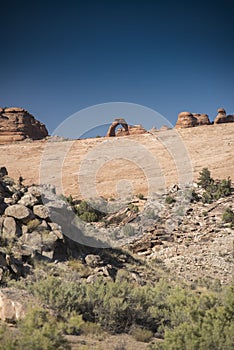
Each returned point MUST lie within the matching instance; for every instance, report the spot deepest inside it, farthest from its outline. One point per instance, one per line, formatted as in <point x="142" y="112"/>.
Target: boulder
<point x="93" y="260"/>
<point x="223" y="118"/>
<point x="186" y="120"/>
<point x="18" y="211"/>
<point x="41" y="211"/>
<point x="13" y="304"/>
<point x="9" y="228"/>
<point x="28" y="200"/>
<point x="202" y="119"/>
<point x="16" y="124"/>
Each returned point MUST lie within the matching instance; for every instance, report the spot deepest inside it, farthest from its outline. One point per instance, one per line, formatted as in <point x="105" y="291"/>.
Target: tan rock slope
<point x="162" y="157"/>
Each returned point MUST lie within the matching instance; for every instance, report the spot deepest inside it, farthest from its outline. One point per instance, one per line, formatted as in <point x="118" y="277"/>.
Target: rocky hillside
<point x="167" y="251"/>
<point x="17" y="124"/>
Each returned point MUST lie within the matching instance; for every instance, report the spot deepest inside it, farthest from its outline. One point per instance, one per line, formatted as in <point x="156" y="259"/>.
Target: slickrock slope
<point x="16" y="124"/>
<point x="209" y="146"/>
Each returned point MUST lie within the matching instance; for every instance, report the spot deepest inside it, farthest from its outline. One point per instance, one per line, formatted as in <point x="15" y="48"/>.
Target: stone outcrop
<point x="132" y="130"/>
<point x="16" y="124"/>
<point x="186" y="120"/>
<point x="113" y="126"/>
<point x="25" y="222"/>
<point x="202" y="119"/>
<point x="222" y="117"/>
<point x="125" y="130"/>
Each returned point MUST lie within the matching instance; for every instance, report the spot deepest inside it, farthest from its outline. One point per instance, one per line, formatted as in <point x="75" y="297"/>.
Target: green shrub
<point x="205" y="178"/>
<point x="88" y="216"/>
<point x="228" y="216"/>
<point x="150" y="213"/>
<point x="213" y="189"/>
<point x="37" y="331"/>
<point x="128" y="230"/>
<point x="134" y="208"/>
<point x="73" y="324"/>
<point x="87" y="213"/>
<point x="141" y="334"/>
<point x="91" y="328"/>
<point x="33" y="224"/>
<point x="140" y="196"/>
<point x="169" y="200"/>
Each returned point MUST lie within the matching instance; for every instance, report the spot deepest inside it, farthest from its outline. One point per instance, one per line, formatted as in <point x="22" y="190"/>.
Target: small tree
<point x="205" y="178"/>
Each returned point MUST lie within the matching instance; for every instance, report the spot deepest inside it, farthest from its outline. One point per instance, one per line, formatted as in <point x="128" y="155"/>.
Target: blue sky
<point x="58" y="57"/>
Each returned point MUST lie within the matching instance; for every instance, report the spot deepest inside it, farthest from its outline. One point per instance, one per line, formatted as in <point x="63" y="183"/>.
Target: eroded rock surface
<point x="17" y="124"/>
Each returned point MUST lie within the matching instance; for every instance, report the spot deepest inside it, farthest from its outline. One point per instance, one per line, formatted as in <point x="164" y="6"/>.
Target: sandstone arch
<point x="113" y="126"/>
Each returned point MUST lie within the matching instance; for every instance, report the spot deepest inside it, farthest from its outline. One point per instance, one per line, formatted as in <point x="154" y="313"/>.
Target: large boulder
<point x="202" y="119"/>
<point x="9" y="228"/>
<point x="16" y="124"/>
<point x="186" y="120"/>
<point x="13" y="304"/>
<point x="222" y="117"/>
<point x="18" y="211"/>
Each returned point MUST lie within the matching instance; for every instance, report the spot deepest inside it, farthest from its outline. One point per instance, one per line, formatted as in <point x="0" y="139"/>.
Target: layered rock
<point x="125" y="130"/>
<point x="223" y="118"/>
<point x="202" y="119"/>
<point x="16" y="124"/>
<point x="186" y="120"/>
<point x="132" y="130"/>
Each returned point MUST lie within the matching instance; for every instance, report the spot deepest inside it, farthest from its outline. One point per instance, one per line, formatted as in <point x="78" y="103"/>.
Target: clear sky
<point x="58" y="57"/>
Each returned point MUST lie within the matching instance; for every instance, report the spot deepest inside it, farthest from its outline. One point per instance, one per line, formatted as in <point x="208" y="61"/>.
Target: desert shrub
<point x="150" y="213"/>
<point x="140" y="196"/>
<point x="128" y="230"/>
<point x="33" y="224"/>
<point x="205" y="178"/>
<point x="213" y="189"/>
<point x="91" y="328"/>
<point x="141" y="334"/>
<point x="73" y="324"/>
<point x="184" y="318"/>
<point x="70" y="199"/>
<point x="87" y="213"/>
<point x="37" y="331"/>
<point x="169" y="200"/>
<point x="120" y="346"/>
<point x="88" y="216"/>
<point x="228" y="216"/>
<point x="134" y="208"/>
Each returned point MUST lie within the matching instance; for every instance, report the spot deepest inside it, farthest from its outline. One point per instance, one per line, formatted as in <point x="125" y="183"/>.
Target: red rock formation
<point x="202" y="119"/>
<point x="16" y="124"/>
<point x="186" y="120"/>
<point x="113" y="126"/>
<point x="132" y="130"/>
<point x="223" y="118"/>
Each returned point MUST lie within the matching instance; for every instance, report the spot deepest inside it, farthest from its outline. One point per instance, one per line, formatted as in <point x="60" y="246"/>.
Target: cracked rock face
<point x="16" y="124"/>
